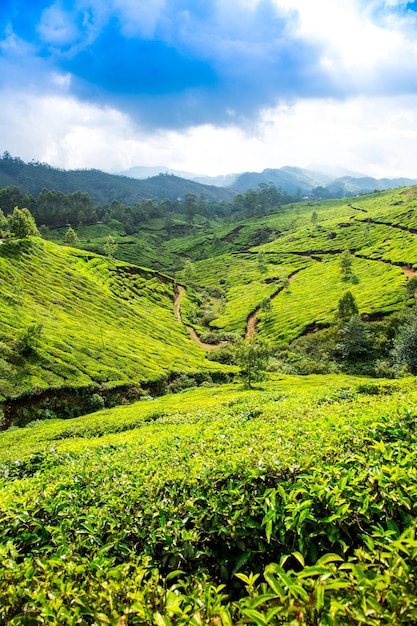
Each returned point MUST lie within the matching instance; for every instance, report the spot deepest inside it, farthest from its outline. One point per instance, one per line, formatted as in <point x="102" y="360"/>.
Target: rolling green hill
<point x="74" y="323"/>
<point x="156" y="503"/>
<point x="102" y="187"/>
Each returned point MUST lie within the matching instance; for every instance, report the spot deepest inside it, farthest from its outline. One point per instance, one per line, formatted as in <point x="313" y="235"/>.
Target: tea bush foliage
<point x="294" y="503"/>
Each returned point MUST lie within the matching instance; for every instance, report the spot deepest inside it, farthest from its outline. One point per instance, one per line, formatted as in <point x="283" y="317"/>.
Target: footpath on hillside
<point x="179" y="292"/>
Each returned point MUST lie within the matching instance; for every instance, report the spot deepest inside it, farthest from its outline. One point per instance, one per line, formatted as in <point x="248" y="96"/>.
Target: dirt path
<point x="179" y="292"/>
<point x="409" y="272"/>
<point x="252" y="320"/>
<point x="229" y="238"/>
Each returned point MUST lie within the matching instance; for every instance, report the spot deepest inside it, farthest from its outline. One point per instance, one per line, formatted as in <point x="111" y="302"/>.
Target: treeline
<point x="55" y="208"/>
<point x="103" y="188"/>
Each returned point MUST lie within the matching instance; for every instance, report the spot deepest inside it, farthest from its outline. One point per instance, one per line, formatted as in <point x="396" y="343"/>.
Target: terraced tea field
<point x="291" y="503"/>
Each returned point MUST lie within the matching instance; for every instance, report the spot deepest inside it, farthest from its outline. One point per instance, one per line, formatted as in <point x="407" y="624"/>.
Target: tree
<point x="261" y="262"/>
<point x="190" y="208"/>
<point x="354" y="339"/>
<point x="252" y="356"/>
<point x="346" y="263"/>
<point x="21" y="223"/>
<point x="266" y="308"/>
<point x="314" y="218"/>
<point x="110" y="246"/>
<point x="405" y="347"/>
<point x="71" y="237"/>
<point x="411" y="286"/>
<point x="188" y="270"/>
<point x="347" y="307"/>
<point x="3" y="223"/>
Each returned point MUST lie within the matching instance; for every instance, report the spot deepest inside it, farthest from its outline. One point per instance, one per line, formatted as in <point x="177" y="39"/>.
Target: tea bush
<point x="294" y="503"/>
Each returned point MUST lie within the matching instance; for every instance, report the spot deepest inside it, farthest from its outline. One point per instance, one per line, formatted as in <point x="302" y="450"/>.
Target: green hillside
<point x="32" y="178"/>
<point x="74" y="320"/>
<point x="379" y="235"/>
<point x="294" y="504"/>
<point x="141" y="482"/>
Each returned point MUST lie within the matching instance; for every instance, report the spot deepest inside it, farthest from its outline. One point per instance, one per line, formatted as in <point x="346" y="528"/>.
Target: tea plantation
<point x="141" y="481"/>
<point x="293" y="503"/>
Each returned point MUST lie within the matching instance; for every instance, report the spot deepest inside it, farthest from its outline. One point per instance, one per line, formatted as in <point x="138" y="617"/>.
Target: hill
<point x="141" y="171"/>
<point x="306" y="182"/>
<point x="75" y="324"/>
<point x="216" y="504"/>
<point x="76" y="321"/>
<point x="103" y="188"/>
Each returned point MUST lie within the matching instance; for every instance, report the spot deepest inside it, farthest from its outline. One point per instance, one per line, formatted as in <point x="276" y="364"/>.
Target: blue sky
<point x="210" y="86"/>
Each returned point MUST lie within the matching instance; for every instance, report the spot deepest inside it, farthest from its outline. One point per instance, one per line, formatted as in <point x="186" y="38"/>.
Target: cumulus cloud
<point x="377" y="136"/>
<point x="168" y="81"/>
<point x="173" y="63"/>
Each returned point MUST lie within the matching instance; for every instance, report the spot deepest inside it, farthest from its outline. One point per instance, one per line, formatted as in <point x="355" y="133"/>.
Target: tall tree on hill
<point x="110" y="246"/>
<point x="346" y="263"/>
<point x="10" y="197"/>
<point x="71" y="237"/>
<point x="252" y="356"/>
<point x="3" y="223"/>
<point x="190" y="208"/>
<point x="355" y="339"/>
<point x="347" y="307"/>
<point x="21" y="224"/>
<point x="405" y="346"/>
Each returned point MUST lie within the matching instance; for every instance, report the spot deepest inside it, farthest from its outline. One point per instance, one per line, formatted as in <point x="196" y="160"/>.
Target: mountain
<point x="145" y="183"/>
<point x="291" y="179"/>
<point x="102" y="187"/>
<point x="294" y="180"/>
<point x="351" y="186"/>
<point x="142" y="172"/>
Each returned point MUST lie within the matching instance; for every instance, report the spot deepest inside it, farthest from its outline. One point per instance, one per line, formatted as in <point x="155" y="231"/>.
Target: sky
<point x="210" y="86"/>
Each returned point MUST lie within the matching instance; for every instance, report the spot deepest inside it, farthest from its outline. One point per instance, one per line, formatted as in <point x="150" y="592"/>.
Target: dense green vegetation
<point x="72" y="320"/>
<point x="32" y="178"/>
<point x="292" y="502"/>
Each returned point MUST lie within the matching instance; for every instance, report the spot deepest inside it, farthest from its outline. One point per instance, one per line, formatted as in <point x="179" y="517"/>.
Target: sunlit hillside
<point x="74" y="321"/>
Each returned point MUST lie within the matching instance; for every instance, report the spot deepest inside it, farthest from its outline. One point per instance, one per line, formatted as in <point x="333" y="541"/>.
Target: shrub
<point x="27" y="339"/>
<point x="405" y="347"/>
<point x="95" y="402"/>
<point x="223" y="354"/>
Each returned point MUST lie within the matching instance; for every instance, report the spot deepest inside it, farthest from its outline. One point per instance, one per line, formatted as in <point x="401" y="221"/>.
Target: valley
<point x="143" y="481"/>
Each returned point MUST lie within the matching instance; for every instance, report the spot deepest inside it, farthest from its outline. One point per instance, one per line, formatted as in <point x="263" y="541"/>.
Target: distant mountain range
<point x="101" y="186"/>
<point x="330" y="182"/>
<point x="142" y="172"/>
<point x="160" y="183"/>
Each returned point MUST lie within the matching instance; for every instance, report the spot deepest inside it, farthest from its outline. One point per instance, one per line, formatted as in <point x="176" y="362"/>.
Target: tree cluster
<point x="19" y="224"/>
<point x="56" y="209"/>
<point x="257" y="202"/>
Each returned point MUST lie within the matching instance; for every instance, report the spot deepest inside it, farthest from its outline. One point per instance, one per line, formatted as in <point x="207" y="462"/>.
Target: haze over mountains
<point x="331" y="181"/>
<point x="160" y="183"/>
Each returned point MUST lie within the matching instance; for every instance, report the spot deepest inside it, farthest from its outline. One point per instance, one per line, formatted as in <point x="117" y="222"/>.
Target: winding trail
<point x="179" y="292"/>
<point x="252" y="320"/>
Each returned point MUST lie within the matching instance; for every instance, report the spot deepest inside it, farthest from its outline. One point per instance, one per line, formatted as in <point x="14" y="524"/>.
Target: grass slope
<point x="181" y="510"/>
<point x="104" y="323"/>
<point x="378" y="230"/>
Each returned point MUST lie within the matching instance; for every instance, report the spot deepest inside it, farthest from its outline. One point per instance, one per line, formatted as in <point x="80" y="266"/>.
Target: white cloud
<point x="138" y="16"/>
<point x="374" y="136"/>
<point x="359" y="51"/>
<point x="56" y="26"/>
